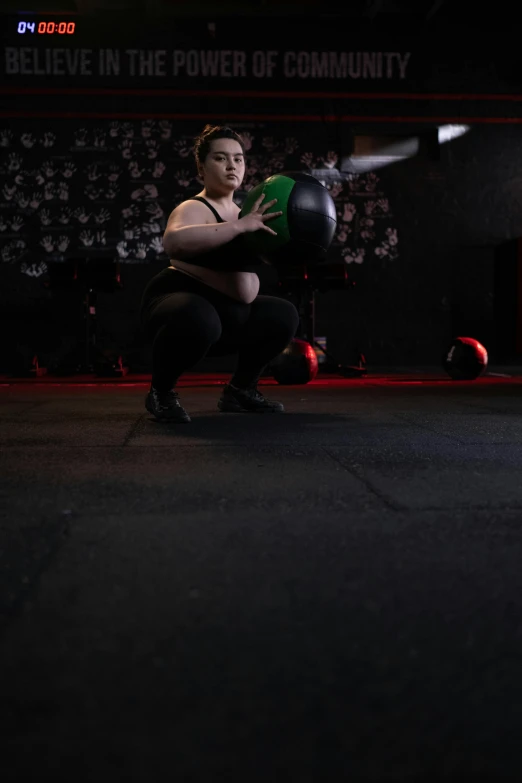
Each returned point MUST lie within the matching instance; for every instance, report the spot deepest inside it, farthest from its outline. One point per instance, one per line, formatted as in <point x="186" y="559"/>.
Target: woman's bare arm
<point x="187" y="234"/>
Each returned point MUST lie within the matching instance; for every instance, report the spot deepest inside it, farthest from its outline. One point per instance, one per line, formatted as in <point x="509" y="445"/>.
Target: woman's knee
<point x="190" y="317"/>
<point x="280" y="312"/>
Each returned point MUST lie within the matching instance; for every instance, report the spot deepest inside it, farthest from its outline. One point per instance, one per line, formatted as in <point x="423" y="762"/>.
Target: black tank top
<point x="232" y="257"/>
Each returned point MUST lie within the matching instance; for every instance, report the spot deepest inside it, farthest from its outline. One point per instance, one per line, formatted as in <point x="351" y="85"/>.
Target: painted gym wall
<point x="95" y="152"/>
<point x="417" y="238"/>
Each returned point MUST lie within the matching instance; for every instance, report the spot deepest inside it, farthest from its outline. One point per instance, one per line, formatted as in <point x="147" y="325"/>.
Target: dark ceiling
<point x="415" y="13"/>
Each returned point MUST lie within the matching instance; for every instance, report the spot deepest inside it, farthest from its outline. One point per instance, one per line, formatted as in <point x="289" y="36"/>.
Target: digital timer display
<point x="46" y="28"/>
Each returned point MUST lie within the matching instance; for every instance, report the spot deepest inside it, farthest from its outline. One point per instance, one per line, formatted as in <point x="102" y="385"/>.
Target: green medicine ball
<point x="307" y="226"/>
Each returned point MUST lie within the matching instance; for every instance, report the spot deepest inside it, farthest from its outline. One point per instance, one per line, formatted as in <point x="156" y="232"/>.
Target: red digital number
<point x="64" y="28"/>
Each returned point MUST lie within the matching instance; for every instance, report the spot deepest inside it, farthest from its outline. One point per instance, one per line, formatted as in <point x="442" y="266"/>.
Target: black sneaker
<point x="165" y="406"/>
<point x="247" y="401"/>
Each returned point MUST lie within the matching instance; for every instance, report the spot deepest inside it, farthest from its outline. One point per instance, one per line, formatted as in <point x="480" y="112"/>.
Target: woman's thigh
<point x="270" y="315"/>
<point x="187" y="312"/>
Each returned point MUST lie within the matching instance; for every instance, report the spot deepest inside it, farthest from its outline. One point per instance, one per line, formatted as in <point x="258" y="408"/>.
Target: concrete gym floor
<point x="330" y="594"/>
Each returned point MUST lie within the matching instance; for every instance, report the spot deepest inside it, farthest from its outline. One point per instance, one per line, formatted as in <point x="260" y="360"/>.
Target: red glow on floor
<point x="200" y="380"/>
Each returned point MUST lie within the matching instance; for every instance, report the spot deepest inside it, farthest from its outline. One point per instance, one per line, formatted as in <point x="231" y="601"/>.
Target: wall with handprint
<point x="105" y="189"/>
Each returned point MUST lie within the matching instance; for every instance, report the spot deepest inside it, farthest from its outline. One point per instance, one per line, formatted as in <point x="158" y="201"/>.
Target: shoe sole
<point x="169" y="420"/>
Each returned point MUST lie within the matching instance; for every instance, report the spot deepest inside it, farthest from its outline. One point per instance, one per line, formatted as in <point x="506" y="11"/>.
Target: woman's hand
<point x="255" y="220"/>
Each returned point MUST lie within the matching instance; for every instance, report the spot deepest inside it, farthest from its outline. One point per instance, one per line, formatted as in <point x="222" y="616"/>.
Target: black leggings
<point x="186" y="320"/>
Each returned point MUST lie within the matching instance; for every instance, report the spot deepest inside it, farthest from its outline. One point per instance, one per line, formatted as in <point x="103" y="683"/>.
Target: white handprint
<point x="291" y="145"/>
<point x="5" y="138"/>
<point x="80" y="137"/>
<point x="182" y="148"/>
<point x="157" y="245"/>
<point x="247" y="139"/>
<point x="48" y="169"/>
<point x="335" y="189"/>
<point x="13" y="251"/>
<point x="127" y="130"/>
<point x="36" y="199"/>
<point x="34" y="270"/>
<point x="17" y="223"/>
<point x="135" y="170"/>
<point x="111" y="192"/>
<point x="158" y="169"/>
<point x="141" y="250"/>
<point x="99" y="137"/>
<point x="393" y="239"/>
<point x="28" y="140"/>
<point x="92" y="172"/>
<point x="22" y="200"/>
<point x="65" y="215"/>
<point x="47" y="243"/>
<point x="330" y="159"/>
<point x="126" y="148"/>
<point x="308" y="159"/>
<point x="103" y="216"/>
<point x="146" y="128"/>
<point x="48" y="140"/>
<point x="151" y="191"/>
<point x="152" y="149"/>
<point x="68" y="169"/>
<point x="14" y="162"/>
<point x="86" y="238"/>
<point x="20" y="178"/>
<point x="131" y="233"/>
<point x="101" y="238"/>
<point x="92" y="192"/>
<point x="114" y="129"/>
<point x="371" y="181"/>
<point x="63" y="243"/>
<point x="82" y="215"/>
<point x="49" y="191"/>
<point x="121" y="247"/>
<point x="138" y="194"/>
<point x="151" y="228"/>
<point x="63" y="191"/>
<point x="4" y="225"/>
<point x="366" y="229"/>
<point x="45" y="217"/>
<point x="154" y="210"/>
<point x="354" y="257"/>
<point x="132" y="211"/>
<point x="343" y="232"/>
<point x="182" y="178"/>
<point x="38" y="177"/>
<point x="166" y="129"/>
<point x="8" y="254"/>
<point x="114" y="173"/>
<point x="349" y="212"/>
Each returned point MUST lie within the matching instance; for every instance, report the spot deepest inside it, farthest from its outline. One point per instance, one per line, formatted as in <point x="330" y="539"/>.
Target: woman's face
<point x="224" y="167"/>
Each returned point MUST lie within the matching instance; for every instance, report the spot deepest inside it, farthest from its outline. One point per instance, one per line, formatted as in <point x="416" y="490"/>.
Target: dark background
<point x="91" y="167"/>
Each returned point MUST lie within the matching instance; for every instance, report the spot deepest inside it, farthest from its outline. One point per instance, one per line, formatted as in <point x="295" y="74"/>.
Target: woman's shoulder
<point x="189" y="212"/>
